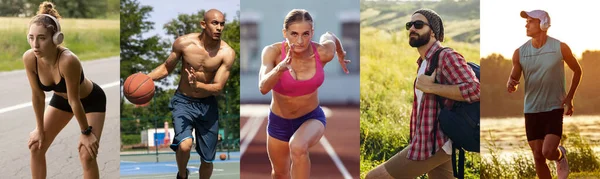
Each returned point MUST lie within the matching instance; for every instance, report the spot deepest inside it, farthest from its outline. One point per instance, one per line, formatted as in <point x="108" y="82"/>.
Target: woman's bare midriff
<point x="291" y="107"/>
<point x="84" y="90"/>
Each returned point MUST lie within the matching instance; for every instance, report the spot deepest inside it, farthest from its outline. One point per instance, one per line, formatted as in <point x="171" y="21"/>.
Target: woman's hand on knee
<point x="36" y="138"/>
<point x="90" y="143"/>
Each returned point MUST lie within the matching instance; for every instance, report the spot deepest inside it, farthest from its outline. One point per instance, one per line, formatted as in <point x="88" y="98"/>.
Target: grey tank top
<point x="544" y="74"/>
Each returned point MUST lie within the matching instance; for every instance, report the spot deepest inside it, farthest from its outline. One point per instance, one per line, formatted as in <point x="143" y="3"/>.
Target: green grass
<point x="88" y="38"/>
<point x="388" y="70"/>
<point x="583" y="162"/>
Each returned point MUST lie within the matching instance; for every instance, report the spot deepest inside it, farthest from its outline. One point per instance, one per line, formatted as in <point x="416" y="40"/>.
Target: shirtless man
<point x="207" y="61"/>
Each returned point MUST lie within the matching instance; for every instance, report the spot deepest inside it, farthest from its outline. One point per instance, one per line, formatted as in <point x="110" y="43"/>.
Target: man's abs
<point x="191" y="90"/>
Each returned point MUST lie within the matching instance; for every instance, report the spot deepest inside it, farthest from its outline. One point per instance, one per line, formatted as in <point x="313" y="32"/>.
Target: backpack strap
<point x="433" y="63"/>
<point x="461" y="163"/>
<point x="432" y="66"/>
<point x="454" y="166"/>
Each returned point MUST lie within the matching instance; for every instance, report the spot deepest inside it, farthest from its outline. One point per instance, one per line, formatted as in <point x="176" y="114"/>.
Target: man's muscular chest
<point x="201" y="60"/>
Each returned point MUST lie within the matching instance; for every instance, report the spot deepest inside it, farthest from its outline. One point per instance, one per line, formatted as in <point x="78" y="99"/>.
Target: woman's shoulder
<point x="29" y="59"/>
<point x="28" y="55"/>
<point x="68" y="59"/>
<point x="325" y="50"/>
<point x="321" y="46"/>
<point x="273" y="49"/>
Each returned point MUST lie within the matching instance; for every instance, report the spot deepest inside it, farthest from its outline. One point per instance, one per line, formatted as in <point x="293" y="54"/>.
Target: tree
<point x="140" y="55"/>
<point x="232" y="37"/>
<point x="11" y="7"/>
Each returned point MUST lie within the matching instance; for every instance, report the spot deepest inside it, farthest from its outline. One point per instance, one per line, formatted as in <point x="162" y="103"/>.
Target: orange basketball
<point x="223" y="156"/>
<point x="138" y="88"/>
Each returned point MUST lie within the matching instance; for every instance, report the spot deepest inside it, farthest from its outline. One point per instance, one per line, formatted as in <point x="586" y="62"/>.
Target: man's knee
<point x="185" y="146"/>
<point x="538" y="156"/>
<point x="371" y="174"/>
<point x="547" y="153"/>
<point x="378" y="172"/>
<point x="205" y="164"/>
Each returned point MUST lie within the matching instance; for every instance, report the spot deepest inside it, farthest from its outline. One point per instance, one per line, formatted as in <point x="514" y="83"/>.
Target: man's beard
<point x="420" y="40"/>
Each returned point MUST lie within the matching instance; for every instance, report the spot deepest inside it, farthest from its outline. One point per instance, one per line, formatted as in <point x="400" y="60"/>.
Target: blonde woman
<point x="293" y="69"/>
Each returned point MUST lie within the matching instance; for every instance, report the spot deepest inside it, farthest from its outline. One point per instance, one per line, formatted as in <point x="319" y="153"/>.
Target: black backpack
<point x="460" y="122"/>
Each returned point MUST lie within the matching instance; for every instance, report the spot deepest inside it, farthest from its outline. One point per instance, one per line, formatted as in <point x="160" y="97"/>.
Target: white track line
<point x="24" y="105"/>
<point x="254" y="123"/>
<point x="335" y="157"/>
<point x="245" y="129"/>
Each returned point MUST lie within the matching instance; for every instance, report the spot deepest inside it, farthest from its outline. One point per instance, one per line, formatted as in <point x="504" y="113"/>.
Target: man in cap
<point x="456" y="82"/>
<point x="540" y="60"/>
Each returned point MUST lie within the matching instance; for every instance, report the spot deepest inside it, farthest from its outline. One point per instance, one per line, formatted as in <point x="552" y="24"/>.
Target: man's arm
<point x="221" y="76"/>
<point x="457" y="72"/>
<point x="168" y="66"/>
<point x="577" y="73"/>
<point x="515" y="73"/>
<point x="574" y="66"/>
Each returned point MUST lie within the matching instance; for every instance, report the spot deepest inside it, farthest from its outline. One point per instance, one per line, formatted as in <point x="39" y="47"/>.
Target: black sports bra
<point x="61" y="87"/>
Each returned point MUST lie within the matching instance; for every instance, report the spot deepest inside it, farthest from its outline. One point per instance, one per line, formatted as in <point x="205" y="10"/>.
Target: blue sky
<point x="164" y="11"/>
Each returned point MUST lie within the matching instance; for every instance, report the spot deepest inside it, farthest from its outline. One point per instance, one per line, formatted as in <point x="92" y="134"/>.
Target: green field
<point x="88" y="38"/>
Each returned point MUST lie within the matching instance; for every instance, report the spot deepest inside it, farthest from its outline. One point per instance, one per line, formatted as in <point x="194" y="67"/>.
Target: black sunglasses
<point x="418" y="24"/>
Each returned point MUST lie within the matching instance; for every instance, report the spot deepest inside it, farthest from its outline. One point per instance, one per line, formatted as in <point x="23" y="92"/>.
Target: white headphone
<point x="57" y="37"/>
<point x="545" y="23"/>
<point x="544" y="26"/>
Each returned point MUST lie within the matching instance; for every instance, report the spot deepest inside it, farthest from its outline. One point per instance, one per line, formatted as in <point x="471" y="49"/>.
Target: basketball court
<point x="134" y="166"/>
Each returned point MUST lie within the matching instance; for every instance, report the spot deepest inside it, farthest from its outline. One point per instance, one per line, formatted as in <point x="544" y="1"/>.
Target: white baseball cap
<point x="538" y="14"/>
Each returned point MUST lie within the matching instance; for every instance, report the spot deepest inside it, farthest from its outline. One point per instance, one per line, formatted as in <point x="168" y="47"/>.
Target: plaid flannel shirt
<point x="452" y="70"/>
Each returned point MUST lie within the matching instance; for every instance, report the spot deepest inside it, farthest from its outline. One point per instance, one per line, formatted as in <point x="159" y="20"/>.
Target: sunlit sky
<point x="574" y="22"/>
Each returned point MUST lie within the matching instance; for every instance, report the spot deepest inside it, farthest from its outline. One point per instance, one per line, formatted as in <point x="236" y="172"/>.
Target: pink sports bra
<point x="289" y="86"/>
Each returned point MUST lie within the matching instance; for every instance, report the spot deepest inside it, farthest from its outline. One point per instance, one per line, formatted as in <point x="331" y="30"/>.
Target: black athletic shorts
<point x="538" y="125"/>
<point x="94" y="102"/>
